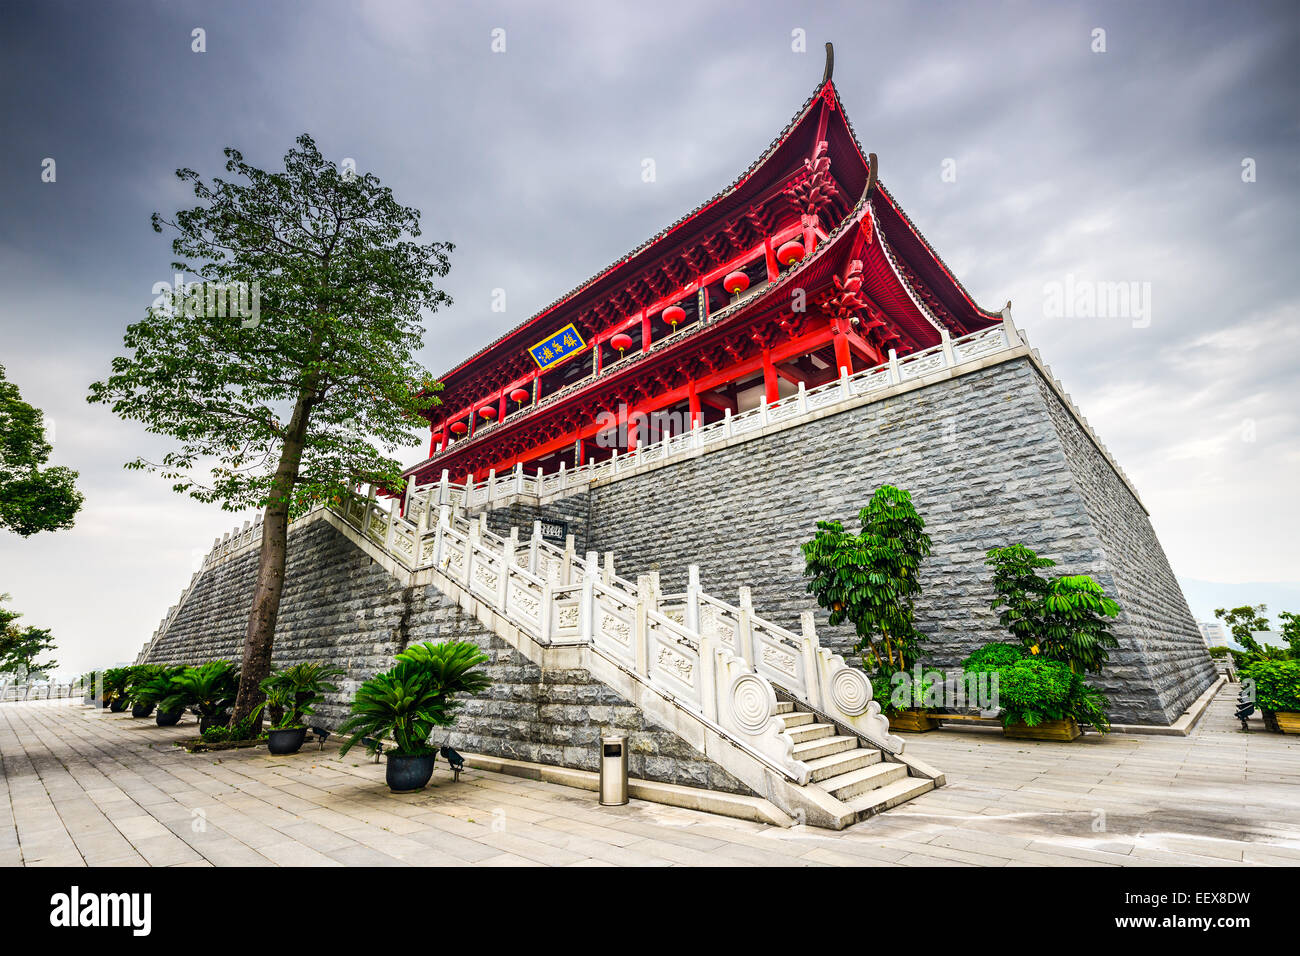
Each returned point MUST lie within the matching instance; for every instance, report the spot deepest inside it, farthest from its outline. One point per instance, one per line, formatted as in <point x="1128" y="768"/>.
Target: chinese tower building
<point x="616" y="491"/>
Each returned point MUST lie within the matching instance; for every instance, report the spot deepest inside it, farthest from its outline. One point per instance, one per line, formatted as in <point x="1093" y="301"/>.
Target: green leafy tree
<point x="1241" y="622"/>
<point x="282" y="405"/>
<point x="32" y="498"/>
<point x="21" y="649"/>
<point x="1075" y="629"/>
<point x="1019" y="590"/>
<point x="871" y="579"/>
<point x="1291" y="631"/>
<point x="1062" y="618"/>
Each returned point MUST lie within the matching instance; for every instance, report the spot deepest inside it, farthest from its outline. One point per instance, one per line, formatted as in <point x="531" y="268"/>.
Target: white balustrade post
<point x="656" y="591"/>
<point x="745" y="627"/>
<point x="471" y="538"/>
<point x="440" y="538"/>
<point x="545" y="612"/>
<point x="587" y="609"/>
<point x="894" y="375"/>
<point x="492" y="485"/>
<point x="726" y="422"/>
<point x="709" y="691"/>
<point x="642" y="629"/>
<point x="540" y="478"/>
<point x="519" y="477"/>
<point x="1013" y="335"/>
<point x="507" y="563"/>
<point x="846" y="390"/>
<point x="444" y="488"/>
<point x="613" y="462"/>
<point x="949" y="357"/>
<point x="564" y="477"/>
<point x="607" y="576"/>
<point x="691" y="616"/>
<point x="534" y="546"/>
<point x="802" y="400"/>
<point x="762" y="413"/>
<point x="566" y="568"/>
<point x="482" y="524"/>
<point x="808" y="646"/>
<point x="391" y="524"/>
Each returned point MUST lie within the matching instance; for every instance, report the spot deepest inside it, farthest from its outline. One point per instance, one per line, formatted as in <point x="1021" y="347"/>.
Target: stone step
<point x="797" y="718"/>
<point x="784" y="707"/>
<point x="823" y="768"/>
<point x="808" y="732"/>
<point x="857" y="782"/>
<point x="890" y="795"/>
<point x="823" y="747"/>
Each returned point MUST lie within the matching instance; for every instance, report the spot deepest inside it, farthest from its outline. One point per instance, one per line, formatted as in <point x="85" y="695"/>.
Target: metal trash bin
<point x="613" y="771"/>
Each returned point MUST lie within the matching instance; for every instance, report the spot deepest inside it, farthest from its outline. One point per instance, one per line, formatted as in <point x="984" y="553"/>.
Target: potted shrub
<point x="88" y="685"/>
<point x="135" y="680"/>
<point x="902" y="699"/>
<point x="291" y="696"/>
<point x="405" y="703"/>
<point x="1277" y="693"/>
<point x="115" y="679"/>
<point x="209" y="689"/>
<point x="163" y="690"/>
<point x="1040" y="699"/>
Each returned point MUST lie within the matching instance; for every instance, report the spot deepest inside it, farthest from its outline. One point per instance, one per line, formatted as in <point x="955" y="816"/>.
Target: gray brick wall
<point x="991" y="458"/>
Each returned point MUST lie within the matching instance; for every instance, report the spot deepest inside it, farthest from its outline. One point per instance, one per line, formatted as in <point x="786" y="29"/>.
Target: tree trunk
<point x="259" y="640"/>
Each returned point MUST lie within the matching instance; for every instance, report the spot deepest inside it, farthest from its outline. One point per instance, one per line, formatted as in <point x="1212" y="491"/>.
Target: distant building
<point x="1213" y="633"/>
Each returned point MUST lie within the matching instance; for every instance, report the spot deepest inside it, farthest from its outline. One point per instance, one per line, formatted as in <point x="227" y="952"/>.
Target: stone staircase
<point x="855" y="775"/>
<point x="707" y="671"/>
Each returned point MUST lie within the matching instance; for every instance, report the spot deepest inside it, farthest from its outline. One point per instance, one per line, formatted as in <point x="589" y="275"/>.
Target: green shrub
<point x="293" y="692"/>
<point x="1277" y="684"/>
<point x="992" y="656"/>
<point x="1034" y="689"/>
<point x="416" y="695"/>
<point x="900" y="691"/>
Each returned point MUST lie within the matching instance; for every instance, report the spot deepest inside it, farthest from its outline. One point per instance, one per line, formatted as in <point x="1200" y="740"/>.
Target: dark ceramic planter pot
<point x="286" y="741"/>
<point x="218" y="721"/>
<point x="141" y="710"/>
<point x="407" y="773"/>
<point x="118" y="705"/>
<point x="169" y="718"/>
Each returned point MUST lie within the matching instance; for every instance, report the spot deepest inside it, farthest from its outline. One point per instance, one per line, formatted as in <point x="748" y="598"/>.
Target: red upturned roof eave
<point x="735" y="193"/>
<point x="903" y="234"/>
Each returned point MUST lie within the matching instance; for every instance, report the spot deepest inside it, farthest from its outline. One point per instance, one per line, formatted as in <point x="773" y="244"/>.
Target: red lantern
<point x="519" y="396"/>
<point x="674" y="314"/>
<point x="735" y="283"/>
<point x="458" y="428"/>
<point x="790" y="253"/>
<point x="622" y="342"/>
<point x="488" y="411"/>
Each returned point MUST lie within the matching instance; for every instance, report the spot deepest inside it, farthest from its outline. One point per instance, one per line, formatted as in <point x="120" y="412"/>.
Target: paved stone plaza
<point x="85" y="787"/>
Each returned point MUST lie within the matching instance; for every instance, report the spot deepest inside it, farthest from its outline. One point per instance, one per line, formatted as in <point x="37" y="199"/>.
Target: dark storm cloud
<point x="1115" y="166"/>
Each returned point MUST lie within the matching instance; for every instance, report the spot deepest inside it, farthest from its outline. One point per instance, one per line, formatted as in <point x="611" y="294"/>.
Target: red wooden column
<point x="773" y="270"/>
<point x="502" y="408"/>
<point x="645" y="330"/>
<point x="769" y="377"/>
<point x="843" y="355"/>
<point x="694" y="397"/>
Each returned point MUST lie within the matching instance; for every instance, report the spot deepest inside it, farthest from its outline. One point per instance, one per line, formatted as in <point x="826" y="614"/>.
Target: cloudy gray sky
<point x="1122" y="165"/>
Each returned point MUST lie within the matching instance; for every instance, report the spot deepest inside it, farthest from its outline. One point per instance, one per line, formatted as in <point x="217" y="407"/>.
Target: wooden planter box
<point x="1288" y="721"/>
<point x="1064" y="730"/>
<point x="912" y="722"/>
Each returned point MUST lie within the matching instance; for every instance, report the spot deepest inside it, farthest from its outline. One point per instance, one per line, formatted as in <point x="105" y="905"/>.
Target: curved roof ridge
<point x="728" y="190"/>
